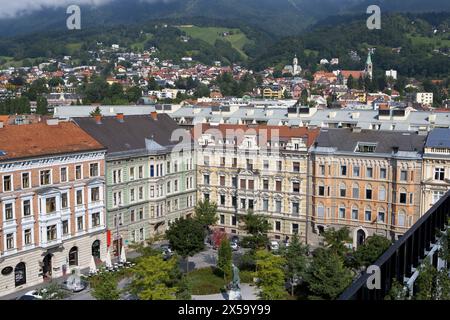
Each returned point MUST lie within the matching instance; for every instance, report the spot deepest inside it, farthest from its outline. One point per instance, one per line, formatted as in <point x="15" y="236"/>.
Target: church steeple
<point x="369" y="65"/>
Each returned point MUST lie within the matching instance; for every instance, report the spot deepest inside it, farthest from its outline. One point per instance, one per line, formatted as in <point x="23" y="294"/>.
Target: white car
<point x="274" y="245"/>
<point x="234" y="246"/>
<point x="31" y="295"/>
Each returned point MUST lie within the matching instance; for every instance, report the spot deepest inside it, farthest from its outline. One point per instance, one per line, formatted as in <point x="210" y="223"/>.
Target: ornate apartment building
<point x="263" y="169"/>
<point x="52" y="212"/>
<point x="150" y="179"/>
<point x="369" y="181"/>
<point x="436" y="168"/>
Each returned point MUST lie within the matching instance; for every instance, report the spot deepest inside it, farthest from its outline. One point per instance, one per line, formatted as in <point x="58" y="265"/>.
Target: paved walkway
<point x="248" y="293"/>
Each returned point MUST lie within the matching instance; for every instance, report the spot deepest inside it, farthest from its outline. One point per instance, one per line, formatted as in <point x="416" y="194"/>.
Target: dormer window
<point x="366" y="147"/>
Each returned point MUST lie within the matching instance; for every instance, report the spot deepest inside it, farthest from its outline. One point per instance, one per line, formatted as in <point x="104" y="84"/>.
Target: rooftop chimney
<point x="120" y="117"/>
<point x="98" y="118"/>
<point x="154" y="115"/>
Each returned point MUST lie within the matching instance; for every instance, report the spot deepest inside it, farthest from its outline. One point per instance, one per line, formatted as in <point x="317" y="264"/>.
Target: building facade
<point x="52" y="212"/>
<point x="150" y="179"/>
<point x="260" y="169"/>
<point x="436" y="168"/>
<point x="369" y="181"/>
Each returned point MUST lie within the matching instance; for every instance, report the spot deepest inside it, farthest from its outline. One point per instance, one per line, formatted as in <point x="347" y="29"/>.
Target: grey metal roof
<point x="438" y="138"/>
<point x="346" y="140"/>
<point x="131" y="134"/>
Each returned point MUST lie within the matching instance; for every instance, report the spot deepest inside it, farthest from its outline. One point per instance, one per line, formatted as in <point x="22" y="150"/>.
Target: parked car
<point x="167" y="251"/>
<point x="274" y="245"/>
<point x="235" y="239"/>
<point x="234" y="246"/>
<point x="75" y="286"/>
<point x="30" y="295"/>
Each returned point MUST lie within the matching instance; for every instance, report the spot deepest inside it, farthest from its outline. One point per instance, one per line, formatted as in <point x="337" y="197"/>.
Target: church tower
<point x="296" y="69"/>
<point x="369" y="65"/>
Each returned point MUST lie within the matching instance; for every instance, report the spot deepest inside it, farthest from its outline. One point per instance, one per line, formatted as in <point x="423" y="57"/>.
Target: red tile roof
<point x="32" y="140"/>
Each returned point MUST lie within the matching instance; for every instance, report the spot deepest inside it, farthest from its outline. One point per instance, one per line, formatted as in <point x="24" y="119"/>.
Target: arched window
<point x="382" y="193"/>
<point x="20" y="274"/>
<point x="342" y="212"/>
<point x="320" y="210"/>
<point x="368" y="192"/>
<point x="73" y="256"/>
<point x="402" y="196"/>
<point x="343" y="190"/>
<point x="355" y="191"/>
<point x="96" y="249"/>
<point x="381" y="215"/>
<point x="401" y="218"/>
<point x="355" y="213"/>
<point x="368" y="214"/>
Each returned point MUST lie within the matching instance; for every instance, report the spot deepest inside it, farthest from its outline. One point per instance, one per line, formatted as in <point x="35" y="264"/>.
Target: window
<point x="403" y="175"/>
<point x="51" y="233"/>
<point x="117" y="176"/>
<point x="277" y="226"/>
<point x="266" y="205"/>
<point x="141" y="172"/>
<point x="141" y="213"/>
<point x="7" y="184"/>
<point x="27" y="237"/>
<point x="95" y="219"/>
<point x="369" y="172"/>
<point x="63" y="174"/>
<point x="152" y="170"/>
<point x="234" y="201"/>
<point x="279" y="165"/>
<point x="437" y="195"/>
<point x="251" y="184"/>
<point x="10" y="241"/>
<point x="439" y="174"/>
<point x="296" y="187"/>
<point x="243" y="203"/>
<point x="222" y="181"/>
<point x="222" y="199"/>
<point x="234" y="182"/>
<point x="206" y="179"/>
<point x="243" y="184"/>
<point x="93" y="170"/>
<point x="322" y="170"/>
<point x="369" y="192"/>
<point x="278" y="185"/>
<point x="402" y="198"/>
<point x="382" y="193"/>
<point x="249" y="163"/>
<point x="168" y="187"/>
<point x="117" y="198"/>
<point x="78" y="172"/>
<point x="79" y="194"/>
<point x="79" y="223"/>
<point x="251" y="204"/>
<point x="25" y="180"/>
<point x="234" y="164"/>
<point x="266" y="164"/>
<point x="295" y="228"/>
<point x="132" y="195"/>
<point x="321" y="211"/>
<point x="321" y="190"/>
<point x="205" y="161"/>
<point x="296" y="167"/>
<point x="342" y="190"/>
<point x="50" y="205"/>
<point x="222" y="161"/>
<point x="355" y="191"/>
<point x="341" y="212"/>
<point x="141" y="234"/>
<point x="45" y="177"/>
<point x="401" y="219"/>
<point x="141" y="193"/>
<point x="295" y="208"/>
<point x="26" y="208"/>
<point x="381" y="216"/>
<point x="65" y="227"/>
<point x="278" y="206"/>
<point x="383" y="173"/>
<point x="95" y="194"/>
<point x="64" y="200"/>
<point x="366" y="148"/>
<point x="9" y="215"/>
<point x="355" y="213"/>
<point x="175" y="186"/>
<point x="343" y="170"/>
<point x="222" y="219"/>
<point x="368" y="214"/>
<point x="265" y="184"/>
<point x="356" y="171"/>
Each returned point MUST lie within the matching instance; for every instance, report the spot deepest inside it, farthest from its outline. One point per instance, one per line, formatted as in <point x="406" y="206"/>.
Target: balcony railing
<point x="405" y="255"/>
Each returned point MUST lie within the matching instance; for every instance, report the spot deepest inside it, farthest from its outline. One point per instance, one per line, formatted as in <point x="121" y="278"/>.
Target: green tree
<point x="41" y="106"/>
<point x="104" y="287"/>
<point x="269" y="271"/>
<point x="371" y="250"/>
<point x="351" y="82"/>
<point x="257" y="226"/>
<point x="151" y="276"/>
<point x="96" y="112"/>
<point x="336" y="240"/>
<point x="296" y="261"/>
<point x="426" y="282"/>
<point x="327" y="276"/>
<point x="186" y="236"/>
<point x="397" y="291"/>
<point x="206" y="213"/>
<point x="225" y="259"/>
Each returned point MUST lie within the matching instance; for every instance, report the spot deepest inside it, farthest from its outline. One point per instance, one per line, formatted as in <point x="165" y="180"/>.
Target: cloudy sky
<point x="12" y="8"/>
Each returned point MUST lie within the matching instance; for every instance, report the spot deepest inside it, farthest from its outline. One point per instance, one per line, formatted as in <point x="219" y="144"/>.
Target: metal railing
<point x="405" y="255"/>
